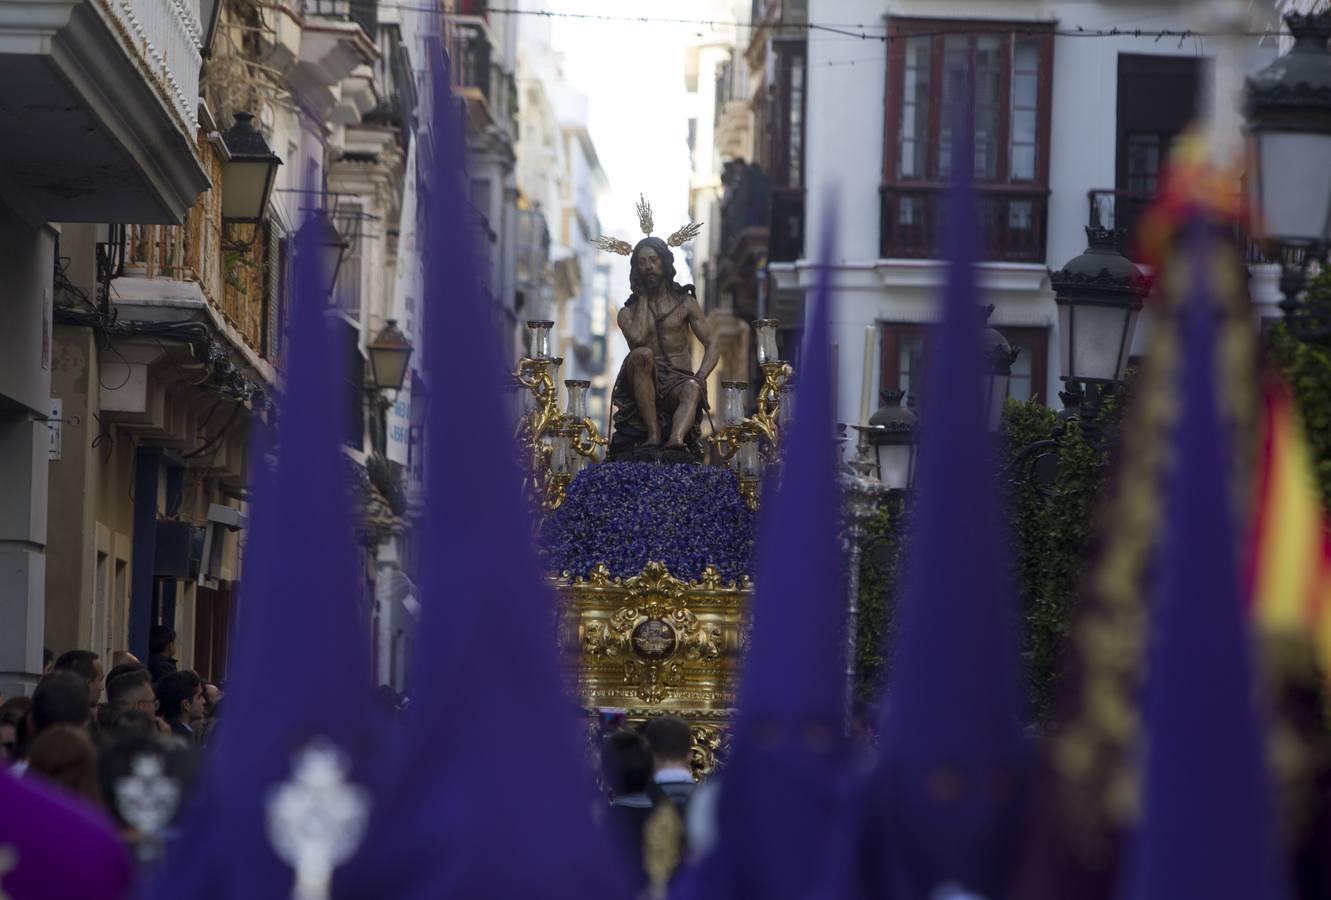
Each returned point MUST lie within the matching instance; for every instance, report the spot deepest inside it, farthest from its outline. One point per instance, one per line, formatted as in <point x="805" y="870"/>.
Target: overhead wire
<point x="858" y="30"/>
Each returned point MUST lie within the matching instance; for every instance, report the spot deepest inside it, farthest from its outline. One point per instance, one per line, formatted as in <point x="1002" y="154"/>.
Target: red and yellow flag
<point x="1291" y="540"/>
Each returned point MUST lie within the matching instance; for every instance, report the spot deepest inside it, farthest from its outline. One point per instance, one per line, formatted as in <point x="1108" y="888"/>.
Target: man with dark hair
<point x="130" y="687"/>
<point x="672" y="749"/>
<point x="626" y="766"/>
<point x="87" y="665"/>
<point x="61" y="698"/>
<point x="161" y="652"/>
<point x="180" y="701"/>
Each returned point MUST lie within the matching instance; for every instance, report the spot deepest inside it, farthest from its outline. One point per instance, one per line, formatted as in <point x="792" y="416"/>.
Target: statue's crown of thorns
<point x="624" y="248"/>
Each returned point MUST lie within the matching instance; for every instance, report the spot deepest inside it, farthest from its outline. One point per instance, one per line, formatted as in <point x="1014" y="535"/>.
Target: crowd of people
<point x="70" y="746"/>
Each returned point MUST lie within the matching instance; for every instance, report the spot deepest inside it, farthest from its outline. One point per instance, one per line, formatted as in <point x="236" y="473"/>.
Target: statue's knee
<point x="641" y="359"/>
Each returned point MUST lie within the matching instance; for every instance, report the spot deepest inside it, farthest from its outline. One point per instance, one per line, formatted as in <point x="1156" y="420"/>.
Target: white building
<point x="1059" y="117"/>
<point x="561" y="182"/>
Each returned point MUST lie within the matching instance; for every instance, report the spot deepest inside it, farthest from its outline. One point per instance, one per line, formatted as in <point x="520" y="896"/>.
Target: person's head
<point x="61" y="698"/>
<point x="65" y="755"/>
<point x="671" y="741"/>
<point x="121" y="657"/>
<point x="212" y="695"/>
<point x="180" y="697"/>
<point x="88" y="666"/>
<point x="128" y="755"/>
<point x="651" y="265"/>
<point x="626" y="763"/>
<point x="12" y="714"/>
<point x="48" y="660"/>
<point x="130" y="687"/>
<point x="132" y="722"/>
<point x="162" y="641"/>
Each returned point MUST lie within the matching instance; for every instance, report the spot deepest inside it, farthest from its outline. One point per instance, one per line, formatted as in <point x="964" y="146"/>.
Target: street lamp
<point x="322" y="235"/>
<point x="248" y="175"/>
<point x="890" y="438"/>
<point x="1098" y="295"/>
<point x="390" y="354"/>
<point x="1000" y="355"/>
<point x="1289" y="140"/>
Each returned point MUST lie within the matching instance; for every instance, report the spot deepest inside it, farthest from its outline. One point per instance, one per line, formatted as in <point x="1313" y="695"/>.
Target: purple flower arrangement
<point x="626" y="515"/>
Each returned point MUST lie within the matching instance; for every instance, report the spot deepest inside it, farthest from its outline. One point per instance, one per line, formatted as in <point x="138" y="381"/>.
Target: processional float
<point x="649" y="548"/>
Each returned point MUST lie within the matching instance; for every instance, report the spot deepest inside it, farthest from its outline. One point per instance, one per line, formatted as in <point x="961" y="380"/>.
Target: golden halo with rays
<point x="644" y="209"/>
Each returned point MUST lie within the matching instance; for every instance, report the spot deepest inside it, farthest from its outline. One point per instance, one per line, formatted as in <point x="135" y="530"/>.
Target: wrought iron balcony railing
<point x="1011" y="220"/>
<point x="1122" y="211"/>
<point x="167" y="35"/>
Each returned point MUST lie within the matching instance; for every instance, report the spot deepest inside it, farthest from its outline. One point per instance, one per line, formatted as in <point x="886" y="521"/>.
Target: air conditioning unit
<point x="221" y="519"/>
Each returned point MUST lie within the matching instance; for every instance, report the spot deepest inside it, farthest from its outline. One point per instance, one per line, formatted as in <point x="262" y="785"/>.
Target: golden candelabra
<point x="556" y="444"/>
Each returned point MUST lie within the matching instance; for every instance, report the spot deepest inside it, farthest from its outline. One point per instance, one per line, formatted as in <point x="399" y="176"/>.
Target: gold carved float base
<point x="654" y="644"/>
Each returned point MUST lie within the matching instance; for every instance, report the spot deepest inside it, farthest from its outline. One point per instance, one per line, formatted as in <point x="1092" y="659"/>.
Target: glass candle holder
<point x="560" y="455"/>
<point x="746" y="460"/>
<point x="733" y="397"/>
<point x="576" y="405"/>
<point x="764" y="334"/>
<point x="786" y="415"/>
<point x="538" y="340"/>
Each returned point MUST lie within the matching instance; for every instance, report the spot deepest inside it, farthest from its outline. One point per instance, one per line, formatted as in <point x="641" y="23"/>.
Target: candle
<point x="866" y="386"/>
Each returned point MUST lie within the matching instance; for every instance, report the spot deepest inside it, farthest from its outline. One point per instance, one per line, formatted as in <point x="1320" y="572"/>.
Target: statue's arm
<point x="707" y="336"/>
<point x="632" y="324"/>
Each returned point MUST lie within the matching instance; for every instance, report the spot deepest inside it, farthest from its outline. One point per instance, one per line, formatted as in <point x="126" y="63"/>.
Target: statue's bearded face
<point x="649" y="267"/>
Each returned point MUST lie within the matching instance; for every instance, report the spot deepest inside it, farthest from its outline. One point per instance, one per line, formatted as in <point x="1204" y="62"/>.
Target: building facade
<point x="149" y="317"/>
<point x="1070" y="130"/>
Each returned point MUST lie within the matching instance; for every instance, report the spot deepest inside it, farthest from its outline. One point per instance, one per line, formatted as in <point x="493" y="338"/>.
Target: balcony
<point x="176" y="266"/>
<point x="745" y="207"/>
<point x="100" y="121"/>
<point x="363" y="12"/>
<point x="786" y="243"/>
<point x="1122" y="211"/>
<point x="336" y="53"/>
<point x="1011" y="222"/>
<point x="471" y="58"/>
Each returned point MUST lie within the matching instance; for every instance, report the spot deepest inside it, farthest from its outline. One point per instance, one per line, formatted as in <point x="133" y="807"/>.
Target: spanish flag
<point x="1290" y="563"/>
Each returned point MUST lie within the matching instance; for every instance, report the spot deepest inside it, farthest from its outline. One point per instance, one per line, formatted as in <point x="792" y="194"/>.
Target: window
<point x="787" y="115"/>
<point x="1157" y="99"/>
<point x="348" y="287"/>
<point x="1010" y="91"/>
<point x="904" y="348"/>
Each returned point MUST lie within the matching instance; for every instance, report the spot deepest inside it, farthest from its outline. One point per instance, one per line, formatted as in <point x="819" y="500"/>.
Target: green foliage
<point x="1307" y="366"/>
<point x="1051" y="525"/>
<point x="883" y="551"/>
<point x="1051" y="505"/>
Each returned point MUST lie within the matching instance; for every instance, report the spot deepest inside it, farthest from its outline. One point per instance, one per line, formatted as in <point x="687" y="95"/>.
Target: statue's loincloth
<point x="629" y="430"/>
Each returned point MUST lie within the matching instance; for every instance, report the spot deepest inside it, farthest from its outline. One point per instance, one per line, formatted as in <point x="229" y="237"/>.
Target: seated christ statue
<point x="659" y="398"/>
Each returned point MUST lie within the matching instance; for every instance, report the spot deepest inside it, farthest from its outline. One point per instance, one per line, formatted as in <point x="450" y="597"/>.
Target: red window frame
<point x="893" y="335"/>
<point x="901" y="29"/>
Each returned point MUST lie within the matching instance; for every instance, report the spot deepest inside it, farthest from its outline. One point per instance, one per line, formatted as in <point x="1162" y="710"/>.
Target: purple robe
<point x="51" y="845"/>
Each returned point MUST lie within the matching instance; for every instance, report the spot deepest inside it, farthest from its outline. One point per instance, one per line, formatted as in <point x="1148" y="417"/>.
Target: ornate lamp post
<point x="248" y="175"/>
<point x="390" y="354"/>
<point x="320" y="233"/>
<point x="1001" y="355"/>
<point x="882" y="471"/>
<point x="1289" y="182"/>
<point x="1099" y="295"/>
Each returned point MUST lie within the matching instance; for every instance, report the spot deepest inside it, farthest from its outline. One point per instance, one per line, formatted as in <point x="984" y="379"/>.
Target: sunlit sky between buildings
<point x="633" y="76"/>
